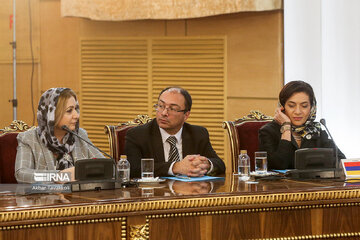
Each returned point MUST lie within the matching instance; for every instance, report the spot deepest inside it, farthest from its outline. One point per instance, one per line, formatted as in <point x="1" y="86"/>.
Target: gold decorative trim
<point x="320" y="236"/>
<point x="16" y="126"/>
<point x="234" y="142"/>
<point x="250" y="210"/>
<point x="74" y="222"/>
<point x="123" y="228"/>
<point x="110" y="135"/>
<point x="138" y="232"/>
<point x="147" y="226"/>
<point x="139" y="120"/>
<point x="251" y="201"/>
<point x="255" y="115"/>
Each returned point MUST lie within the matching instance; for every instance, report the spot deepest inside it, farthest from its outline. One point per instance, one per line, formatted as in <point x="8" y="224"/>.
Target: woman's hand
<point x="280" y="117"/>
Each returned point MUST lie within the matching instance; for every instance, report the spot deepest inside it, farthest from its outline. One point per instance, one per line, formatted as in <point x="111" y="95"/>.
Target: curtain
<point x="117" y="10"/>
<point x="322" y="47"/>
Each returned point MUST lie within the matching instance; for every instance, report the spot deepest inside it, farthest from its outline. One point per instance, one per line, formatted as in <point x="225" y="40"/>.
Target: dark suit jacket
<point x="281" y="153"/>
<point x="145" y="141"/>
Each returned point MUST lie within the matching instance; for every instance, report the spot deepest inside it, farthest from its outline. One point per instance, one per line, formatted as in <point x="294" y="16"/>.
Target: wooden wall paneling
<point x="99" y="230"/>
<point x="6" y="73"/>
<point x="60" y="48"/>
<point x="206" y="229"/>
<point x="317" y="220"/>
<point x="27" y="104"/>
<point x="23" y="58"/>
<point x="254" y="225"/>
<point x="104" y="29"/>
<point x="6" y="28"/>
<point x="70" y="231"/>
<point x="22" y="30"/>
<point x="54" y="233"/>
<point x="114" y="84"/>
<point x="175" y="27"/>
<point x="175" y="228"/>
<point x="255" y="57"/>
<point x="6" y="93"/>
<point x="287" y="223"/>
<point x="150" y="85"/>
<point x="343" y="219"/>
<point x="246" y="225"/>
<point x="244" y="105"/>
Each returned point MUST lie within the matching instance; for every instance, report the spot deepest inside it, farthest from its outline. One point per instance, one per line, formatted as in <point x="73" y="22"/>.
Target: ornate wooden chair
<point x="116" y="134"/>
<point x="243" y="135"/>
<point x="8" y="145"/>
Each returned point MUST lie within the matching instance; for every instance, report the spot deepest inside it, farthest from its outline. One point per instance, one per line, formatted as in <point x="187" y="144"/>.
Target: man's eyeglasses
<point x="171" y="109"/>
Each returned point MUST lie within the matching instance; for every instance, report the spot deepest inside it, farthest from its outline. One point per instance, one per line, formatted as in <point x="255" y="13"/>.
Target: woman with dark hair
<point x="294" y="127"/>
<point x="48" y="148"/>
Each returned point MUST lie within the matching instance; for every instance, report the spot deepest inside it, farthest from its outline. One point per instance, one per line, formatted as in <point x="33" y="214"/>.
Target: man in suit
<point x="178" y="148"/>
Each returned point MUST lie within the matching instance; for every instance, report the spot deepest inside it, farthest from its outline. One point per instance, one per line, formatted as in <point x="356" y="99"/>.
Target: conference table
<point x="268" y="208"/>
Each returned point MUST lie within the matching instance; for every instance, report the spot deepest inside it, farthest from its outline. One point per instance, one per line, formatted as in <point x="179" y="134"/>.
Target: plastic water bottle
<point x="244" y="166"/>
<point x="123" y="169"/>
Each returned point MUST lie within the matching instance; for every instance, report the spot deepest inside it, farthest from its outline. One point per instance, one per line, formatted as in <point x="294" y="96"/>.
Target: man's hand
<point x="192" y="166"/>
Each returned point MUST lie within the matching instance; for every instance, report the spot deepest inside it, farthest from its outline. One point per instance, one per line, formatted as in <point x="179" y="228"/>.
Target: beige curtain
<point x="116" y="10"/>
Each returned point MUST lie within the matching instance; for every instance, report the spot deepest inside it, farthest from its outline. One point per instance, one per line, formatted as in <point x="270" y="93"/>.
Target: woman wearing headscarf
<point x="48" y="148"/>
<point x="294" y="127"/>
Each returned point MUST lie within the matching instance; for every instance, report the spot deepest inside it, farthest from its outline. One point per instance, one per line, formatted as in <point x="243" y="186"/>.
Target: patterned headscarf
<point x="309" y="128"/>
<point x="46" y="122"/>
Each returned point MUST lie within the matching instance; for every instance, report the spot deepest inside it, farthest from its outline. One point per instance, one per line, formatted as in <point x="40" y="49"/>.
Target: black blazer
<point x="281" y="153"/>
<point x="145" y="141"/>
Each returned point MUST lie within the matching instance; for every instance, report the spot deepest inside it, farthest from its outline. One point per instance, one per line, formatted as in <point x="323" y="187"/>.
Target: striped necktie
<point x="173" y="153"/>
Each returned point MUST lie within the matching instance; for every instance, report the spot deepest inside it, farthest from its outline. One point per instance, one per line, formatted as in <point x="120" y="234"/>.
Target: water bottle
<point x="123" y="169"/>
<point x="244" y="166"/>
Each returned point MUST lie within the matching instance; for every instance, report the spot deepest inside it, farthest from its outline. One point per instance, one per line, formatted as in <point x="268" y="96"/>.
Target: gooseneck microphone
<point x="64" y="127"/>
<point x="323" y="122"/>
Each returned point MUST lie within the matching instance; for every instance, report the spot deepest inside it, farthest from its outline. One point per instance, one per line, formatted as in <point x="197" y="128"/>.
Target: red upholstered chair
<point x="8" y="145"/>
<point x="243" y="135"/>
<point x="116" y="134"/>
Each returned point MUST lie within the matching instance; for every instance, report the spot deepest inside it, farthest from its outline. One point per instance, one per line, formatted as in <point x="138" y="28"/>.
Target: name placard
<point x="351" y="167"/>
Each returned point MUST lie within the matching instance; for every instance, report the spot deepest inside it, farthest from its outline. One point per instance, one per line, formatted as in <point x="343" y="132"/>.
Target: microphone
<point x="64" y="127"/>
<point x="323" y="122"/>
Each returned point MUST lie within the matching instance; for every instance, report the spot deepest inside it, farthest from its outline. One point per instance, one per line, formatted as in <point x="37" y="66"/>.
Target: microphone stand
<point x="323" y="122"/>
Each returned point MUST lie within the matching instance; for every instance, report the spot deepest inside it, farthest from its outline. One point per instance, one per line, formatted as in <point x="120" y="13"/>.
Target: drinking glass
<point x="147" y="168"/>
<point x="260" y="162"/>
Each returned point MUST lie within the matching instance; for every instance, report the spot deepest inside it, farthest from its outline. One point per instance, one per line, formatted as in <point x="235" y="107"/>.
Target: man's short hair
<point x="182" y="91"/>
